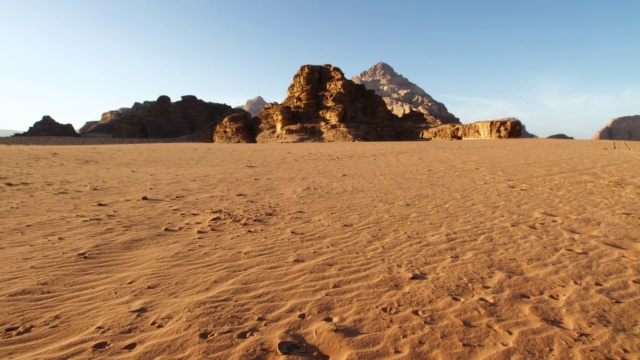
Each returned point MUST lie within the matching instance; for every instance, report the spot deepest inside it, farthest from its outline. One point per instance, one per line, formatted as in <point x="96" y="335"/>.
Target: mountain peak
<point x="402" y="96"/>
<point x="253" y="106"/>
<point x="380" y="70"/>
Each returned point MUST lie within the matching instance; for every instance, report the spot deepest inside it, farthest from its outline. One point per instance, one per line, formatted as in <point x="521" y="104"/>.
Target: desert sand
<point x="486" y="249"/>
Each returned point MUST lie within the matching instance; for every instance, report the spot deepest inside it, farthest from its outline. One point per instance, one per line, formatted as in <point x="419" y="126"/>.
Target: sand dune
<point x="514" y="249"/>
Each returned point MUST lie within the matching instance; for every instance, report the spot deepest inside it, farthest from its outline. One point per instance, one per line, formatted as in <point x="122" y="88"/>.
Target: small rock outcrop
<point x="322" y="105"/>
<point x="162" y="118"/>
<point x="622" y="128"/>
<point x="490" y="129"/>
<point x="402" y="96"/>
<point x="49" y="127"/>
<point x="255" y="105"/>
<point x="235" y="128"/>
<point x="560" y="136"/>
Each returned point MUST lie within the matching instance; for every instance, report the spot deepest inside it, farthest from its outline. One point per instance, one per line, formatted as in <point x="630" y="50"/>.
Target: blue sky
<point x="559" y="66"/>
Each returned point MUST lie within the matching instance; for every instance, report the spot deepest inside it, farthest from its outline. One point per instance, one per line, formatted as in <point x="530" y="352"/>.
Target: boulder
<point x="322" y="105"/>
<point x="490" y="129"/>
<point x="235" y="128"/>
<point x="622" y="128"/>
<point x="49" y="127"/>
<point x="255" y="105"/>
<point x="402" y="96"/>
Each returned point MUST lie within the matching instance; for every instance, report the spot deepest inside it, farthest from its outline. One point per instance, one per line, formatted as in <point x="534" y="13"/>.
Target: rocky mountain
<point x="253" y="106"/>
<point x="162" y="118"/>
<point x="489" y="129"/>
<point x="402" y="96"/>
<point x="322" y="105"/>
<point x="622" y="128"/>
<point x="47" y="126"/>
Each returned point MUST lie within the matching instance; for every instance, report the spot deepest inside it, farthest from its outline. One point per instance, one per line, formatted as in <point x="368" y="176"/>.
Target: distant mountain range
<point x="5" y="133"/>
<point x="322" y="105"/>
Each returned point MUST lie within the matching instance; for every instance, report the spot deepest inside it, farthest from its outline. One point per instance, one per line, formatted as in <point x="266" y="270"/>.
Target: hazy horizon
<point x="564" y="67"/>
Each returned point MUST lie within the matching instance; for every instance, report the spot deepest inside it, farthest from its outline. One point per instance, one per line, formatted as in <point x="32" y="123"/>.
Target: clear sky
<point x="559" y="66"/>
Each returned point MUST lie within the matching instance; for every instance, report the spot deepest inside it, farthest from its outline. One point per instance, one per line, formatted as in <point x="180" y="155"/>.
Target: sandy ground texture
<point x="494" y="249"/>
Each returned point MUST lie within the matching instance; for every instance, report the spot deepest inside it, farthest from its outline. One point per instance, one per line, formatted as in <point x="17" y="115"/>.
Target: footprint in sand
<point x="245" y="334"/>
<point x="130" y="346"/>
<point x="291" y="348"/>
<point x="577" y="251"/>
<point x="100" y="345"/>
<point x="16" y="331"/>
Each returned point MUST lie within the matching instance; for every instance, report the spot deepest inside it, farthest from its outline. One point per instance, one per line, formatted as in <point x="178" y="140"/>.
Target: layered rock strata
<point x="490" y="129"/>
<point x="402" y="96"/>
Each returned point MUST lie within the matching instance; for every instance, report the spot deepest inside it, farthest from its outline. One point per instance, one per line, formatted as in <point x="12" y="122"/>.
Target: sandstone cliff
<point x="162" y="118"/>
<point x="322" y="105"/>
<point x="49" y="127"/>
<point x="402" y="96"/>
<point x="622" y="128"/>
<point x="255" y="105"/>
<point x="490" y="129"/>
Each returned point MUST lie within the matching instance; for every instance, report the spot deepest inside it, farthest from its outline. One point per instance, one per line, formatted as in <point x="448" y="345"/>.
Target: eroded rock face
<point x="235" y="128"/>
<point x="622" y="128"/>
<point x="88" y="125"/>
<point x="49" y="127"/>
<point x="491" y="129"/>
<point x="162" y="118"/>
<point x="322" y="105"/>
<point x="402" y="96"/>
<point x="255" y="105"/>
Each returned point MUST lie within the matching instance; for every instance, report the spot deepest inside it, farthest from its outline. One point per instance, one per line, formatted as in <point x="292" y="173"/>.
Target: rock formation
<point x="560" y="136"/>
<point x="402" y="96"/>
<point x="162" y="118"/>
<point x="255" y="105"/>
<point x="49" y="127"/>
<point x="622" y="128"/>
<point x="235" y="128"/>
<point x="88" y="126"/>
<point x="490" y="129"/>
<point x="322" y="105"/>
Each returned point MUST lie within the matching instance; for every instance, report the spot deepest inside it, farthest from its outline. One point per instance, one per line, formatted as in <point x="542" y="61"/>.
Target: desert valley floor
<point x="487" y="249"/>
